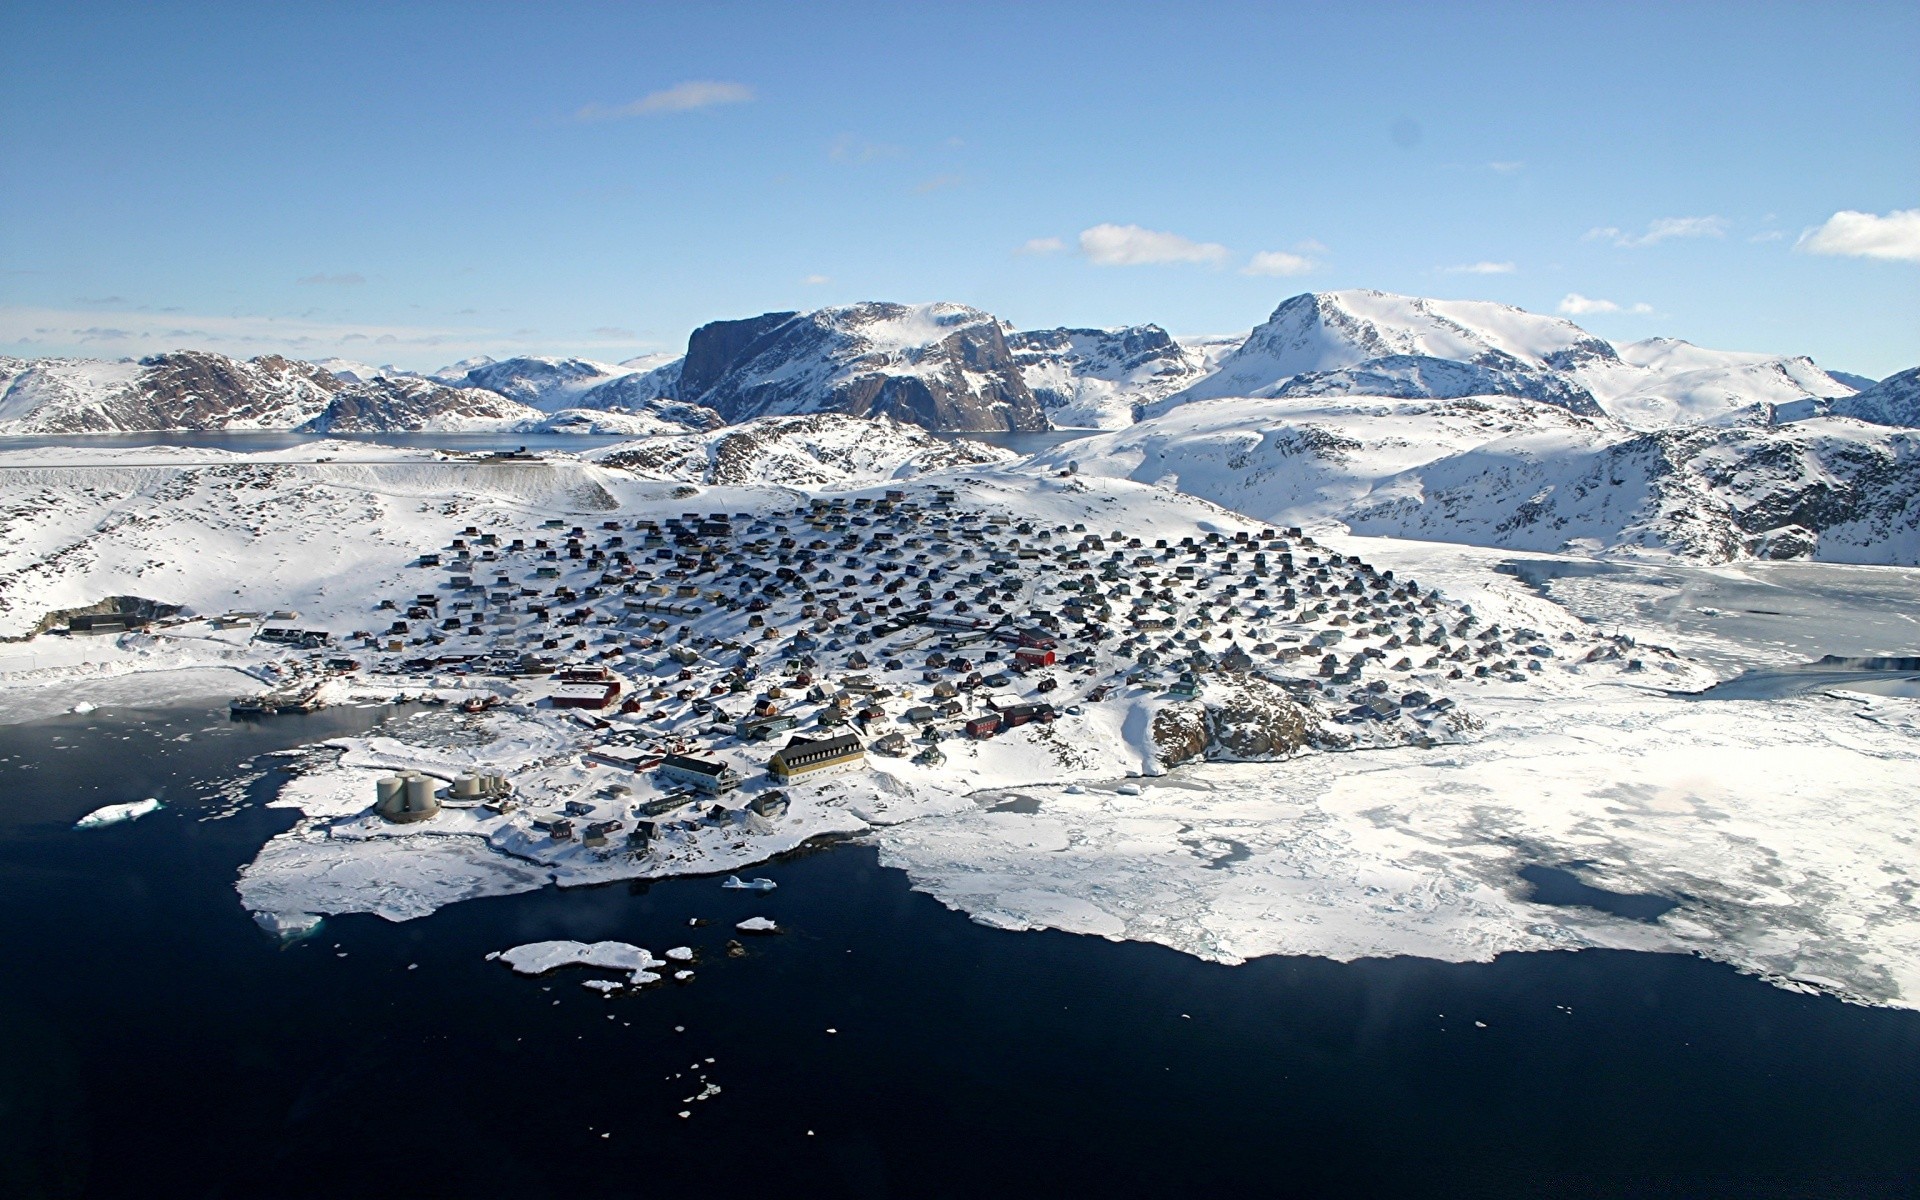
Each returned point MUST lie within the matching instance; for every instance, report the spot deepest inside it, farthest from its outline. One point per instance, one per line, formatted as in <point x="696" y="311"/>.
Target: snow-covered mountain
<point x="1096" y="378"/>
<point x="1358" y="342"/>
<point x="1895" y="400"/>
<point x="940" y="366"/>
<point x="408" y="403"/>
<point x="548" y="384"/>
<point x="811" y="450"/>
<point x="1509" y="472"/>
<point x="947" y="366"/>
<point x="195" y="390"/>
<point x="187" y="389"/>
<point x="1663" y="382"/>
<point x="1366" y="343"/>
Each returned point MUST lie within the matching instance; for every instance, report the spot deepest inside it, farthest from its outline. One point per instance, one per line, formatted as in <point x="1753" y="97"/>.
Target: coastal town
<point x="685" y="693"/>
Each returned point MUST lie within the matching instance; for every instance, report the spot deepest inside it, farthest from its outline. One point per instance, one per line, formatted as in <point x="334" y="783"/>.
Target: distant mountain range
<point x="948" y="367"/>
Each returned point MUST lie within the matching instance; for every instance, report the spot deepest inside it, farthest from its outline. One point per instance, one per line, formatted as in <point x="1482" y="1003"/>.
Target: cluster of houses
<point x="712" y="651"/>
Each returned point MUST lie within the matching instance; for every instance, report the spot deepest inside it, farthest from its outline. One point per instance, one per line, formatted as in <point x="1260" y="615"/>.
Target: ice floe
<point x="114" y="814"/>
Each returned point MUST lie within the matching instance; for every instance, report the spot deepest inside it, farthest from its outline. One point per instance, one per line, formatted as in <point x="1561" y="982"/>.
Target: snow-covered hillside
<point x="213" y="529"/>
<point x="817" y="450"/>
<point x="1895" y="400"/>
<point x="1501" y="471"/>
<point x="1095" y="378"/>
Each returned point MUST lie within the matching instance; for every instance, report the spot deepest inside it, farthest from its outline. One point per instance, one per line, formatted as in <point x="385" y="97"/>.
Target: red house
<point x="1029" y="657"/>
<point x="983" y="727"/>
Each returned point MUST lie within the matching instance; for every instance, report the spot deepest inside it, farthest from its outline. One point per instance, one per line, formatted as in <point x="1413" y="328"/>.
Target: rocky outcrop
<point x="1245" y="720"/>
<point x="1180" y="734"/>
<point x="1256" y="720"/>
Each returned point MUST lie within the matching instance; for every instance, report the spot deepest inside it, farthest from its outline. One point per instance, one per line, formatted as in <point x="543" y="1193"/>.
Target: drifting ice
<point x="537" y="958"/>
<point x="752" y="885"/>
<point x="113" y="814"/>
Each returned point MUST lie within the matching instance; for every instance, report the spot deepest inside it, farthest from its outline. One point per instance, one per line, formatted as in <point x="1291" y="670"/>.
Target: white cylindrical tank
<point x="419" y="793"/>
<point x="387" y="791"/>
<point x="468" y="787"/>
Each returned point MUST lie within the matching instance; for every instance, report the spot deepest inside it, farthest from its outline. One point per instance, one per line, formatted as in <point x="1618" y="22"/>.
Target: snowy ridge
<point x="1895" y="400"/>
<point x="1506" y="472"/>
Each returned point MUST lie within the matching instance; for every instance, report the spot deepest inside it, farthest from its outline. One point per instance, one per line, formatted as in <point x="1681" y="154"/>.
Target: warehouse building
<point x="804" y="757"/>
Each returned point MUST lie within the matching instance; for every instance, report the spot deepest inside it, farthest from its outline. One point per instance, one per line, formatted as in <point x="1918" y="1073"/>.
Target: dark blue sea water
<point x="154" y="1043"/>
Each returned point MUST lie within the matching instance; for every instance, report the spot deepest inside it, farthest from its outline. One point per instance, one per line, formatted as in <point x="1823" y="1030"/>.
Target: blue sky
<point x="425" y="182"/>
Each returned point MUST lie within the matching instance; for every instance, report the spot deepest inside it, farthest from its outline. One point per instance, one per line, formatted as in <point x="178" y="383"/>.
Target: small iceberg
<point x="537" y="958"/>
<point x="290" y="927"/>
<point x="758" y="925"/>
<point x="751" y="885"/>
<point x="113" y="814"/>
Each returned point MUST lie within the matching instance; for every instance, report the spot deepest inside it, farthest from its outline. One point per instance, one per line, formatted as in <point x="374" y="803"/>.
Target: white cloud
<point x="1041" y="246"/>
<point x="1767" y="235"/>
<point x="681" y="97"/>
<point x="1661" y="230"/>
<point x="1576" y="305"/>
<point x="1506" y="168"/>
<point x="1278" y="262"/>
<point x="1894" y="237"/>
<point x="1132" y="246"/>
<point x="816" y="280"/>
<point x="1480" y="268"/>
<point x="939" y="183"/>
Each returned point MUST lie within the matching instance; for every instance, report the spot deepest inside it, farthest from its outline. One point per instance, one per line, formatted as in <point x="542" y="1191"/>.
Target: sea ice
<point x="114" y="814"/>
<point x="537" y="958"/>
<point x="758" y="925"/>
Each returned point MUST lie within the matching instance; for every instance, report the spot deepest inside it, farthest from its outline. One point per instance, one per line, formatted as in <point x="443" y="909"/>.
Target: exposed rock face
<point x="714" y="348"/>
<point x="939" y="366"/>
<point x="817" y="449"/>
<point x="1180" y="734"/>
<point x="1895" y="400"/>
<point x="1258" y="721"/>
<point x="1248" y="719"/>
